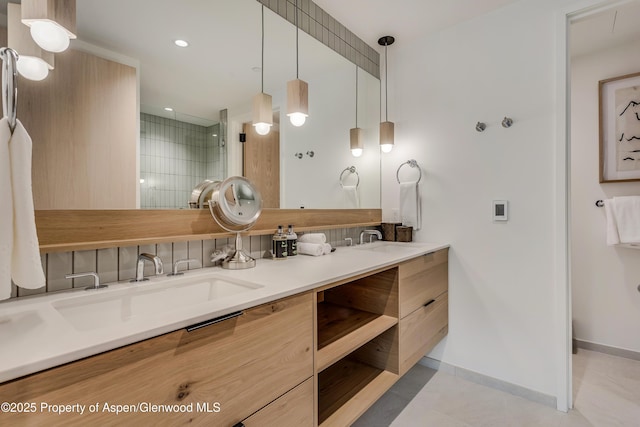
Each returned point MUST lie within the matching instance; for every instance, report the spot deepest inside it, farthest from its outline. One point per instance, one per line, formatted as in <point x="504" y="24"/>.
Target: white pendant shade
<point x="33" y="62"/>
<point x="52" y="22"/>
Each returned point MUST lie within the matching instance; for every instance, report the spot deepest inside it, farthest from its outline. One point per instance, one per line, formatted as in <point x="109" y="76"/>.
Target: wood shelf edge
<point x="333" y="352"/>
<point x="367" y="396"/>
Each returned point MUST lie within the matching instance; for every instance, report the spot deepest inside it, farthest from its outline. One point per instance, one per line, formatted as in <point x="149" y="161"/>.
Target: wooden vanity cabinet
<point x="227" y="371"/>
<point x="424" y="306"/>
<point x="373" y="330"/>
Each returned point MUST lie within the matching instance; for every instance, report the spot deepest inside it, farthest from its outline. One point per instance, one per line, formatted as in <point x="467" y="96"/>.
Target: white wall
<point x="502" y="284"/>
<point x="606" y="303"/>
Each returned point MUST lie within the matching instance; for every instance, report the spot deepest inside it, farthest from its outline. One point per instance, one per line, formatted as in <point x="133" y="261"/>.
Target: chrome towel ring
<point x="413" y="164"/>
<point x="351" y="169"/>
<point x="9" y="85"/>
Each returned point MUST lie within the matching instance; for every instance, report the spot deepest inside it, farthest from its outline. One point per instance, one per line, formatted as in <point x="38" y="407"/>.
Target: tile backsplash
<point x="116" y="264"/>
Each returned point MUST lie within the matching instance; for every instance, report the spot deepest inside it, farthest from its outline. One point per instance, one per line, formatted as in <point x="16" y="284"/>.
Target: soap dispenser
<point x="279" y="244"/>
<point x="292" y="242"/>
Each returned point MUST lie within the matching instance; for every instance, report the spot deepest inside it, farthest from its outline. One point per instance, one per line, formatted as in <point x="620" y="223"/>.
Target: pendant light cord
<point x="262" y="63"/>
<point x="386" y="85"/>
<point x="356" y="96"/>
<point x="297" y="31"/>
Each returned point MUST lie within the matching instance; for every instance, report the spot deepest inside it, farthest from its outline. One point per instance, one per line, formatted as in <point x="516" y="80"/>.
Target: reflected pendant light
<point x="52" y="22"/>
<point x="386" y="127"/>
<point x="262" y="107"/>
<point x="33" y="62"/>
<point x="355" y="134"/>
<point x="297" y="91"/>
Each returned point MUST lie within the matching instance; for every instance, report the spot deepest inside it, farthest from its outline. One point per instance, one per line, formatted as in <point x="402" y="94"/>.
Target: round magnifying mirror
<point x="236" y="205"/>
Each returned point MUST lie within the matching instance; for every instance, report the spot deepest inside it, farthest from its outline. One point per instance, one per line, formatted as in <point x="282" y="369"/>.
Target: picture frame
<point x="619" y="105"/>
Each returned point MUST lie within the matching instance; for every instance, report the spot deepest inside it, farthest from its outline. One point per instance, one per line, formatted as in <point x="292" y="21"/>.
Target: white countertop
<point x="35" y="336"/>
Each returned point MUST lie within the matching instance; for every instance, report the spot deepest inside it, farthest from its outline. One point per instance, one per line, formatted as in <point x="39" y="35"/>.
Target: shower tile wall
<point x="174" y="157"/>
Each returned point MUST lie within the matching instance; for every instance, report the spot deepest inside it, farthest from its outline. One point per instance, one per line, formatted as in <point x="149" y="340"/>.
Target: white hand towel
<point x="26" y="267"/>
<point x="326" y="249"/>
<point x="410" y="214"/>
<point x="318" y="238"/>
<point x="313" y="249"/>
<point x="612" y="227"/>
<point x="6" y="212"/>
<point x="352" y="201"/>
<point x="627" y="215"/>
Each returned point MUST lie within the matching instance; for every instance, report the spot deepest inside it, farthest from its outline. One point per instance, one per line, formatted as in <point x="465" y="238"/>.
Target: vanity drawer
<point x="422" y="279"/>
<point x="422" y="330"/>
<point x="294" y="409"/>
<point x="242" y="364"/>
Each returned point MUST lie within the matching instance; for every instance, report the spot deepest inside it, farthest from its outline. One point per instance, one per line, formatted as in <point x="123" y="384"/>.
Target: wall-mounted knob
<point x="480" y="127"/>
<point x="507" y="122"/>
<point x="298" y="155"/>
<point x="310" y="153"/>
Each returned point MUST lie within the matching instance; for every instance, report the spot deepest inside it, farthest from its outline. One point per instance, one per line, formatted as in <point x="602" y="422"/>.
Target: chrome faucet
<point x="157" y="262"/>
<point x="96" y="280"/>
<point x="371" y="233"/>
<point x="175" y="272"/>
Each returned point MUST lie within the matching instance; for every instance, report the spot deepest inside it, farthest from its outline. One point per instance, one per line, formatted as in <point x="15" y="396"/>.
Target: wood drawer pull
<point x="428" y="303"/>
<point x="214" y="321"/>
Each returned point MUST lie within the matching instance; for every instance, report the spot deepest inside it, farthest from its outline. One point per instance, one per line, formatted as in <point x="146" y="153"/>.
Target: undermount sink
<point x="388" y="247"/>
<point x="99" y="310"/>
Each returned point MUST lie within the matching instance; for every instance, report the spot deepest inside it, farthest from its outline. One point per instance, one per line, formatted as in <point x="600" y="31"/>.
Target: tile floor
<point x="606" y="393"/>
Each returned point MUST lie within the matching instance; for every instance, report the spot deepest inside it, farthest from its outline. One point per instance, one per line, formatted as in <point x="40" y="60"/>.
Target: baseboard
<point x="614" y="351"/>
<point x="516" y="390"/>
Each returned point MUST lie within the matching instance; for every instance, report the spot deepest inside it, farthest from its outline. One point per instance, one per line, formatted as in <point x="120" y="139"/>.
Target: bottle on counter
<point x="292" y="242"/>
<point x="279" y="244"/>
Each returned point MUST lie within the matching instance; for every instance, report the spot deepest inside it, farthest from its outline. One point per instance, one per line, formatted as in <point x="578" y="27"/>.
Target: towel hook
<point x="351" y="169"/>
<point x="412" y="163"/>
<point x="9" y="85"/>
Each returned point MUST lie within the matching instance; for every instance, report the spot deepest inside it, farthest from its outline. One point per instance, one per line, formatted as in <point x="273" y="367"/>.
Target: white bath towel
<point x="6" y="212"/>
<point x="326" y="249"/>
<point x="352" y="201"/>
<point x="26" y="267"/>
<point x="313" y="249"/>
<point x="410" y="210"/>
<point x="612" y="227"/>
<point x="626" y="211"/>
<point x="319" y="238"/>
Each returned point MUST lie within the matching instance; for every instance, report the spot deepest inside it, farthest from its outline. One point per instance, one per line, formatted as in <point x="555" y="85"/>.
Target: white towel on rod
<point x="626" y="211"/>
<point x="352" y="201"/>
<point x="6" y="212"/>
<point x="410" y="210"/>
<point x="612" y="227"/>
<point x="26" y="265"/>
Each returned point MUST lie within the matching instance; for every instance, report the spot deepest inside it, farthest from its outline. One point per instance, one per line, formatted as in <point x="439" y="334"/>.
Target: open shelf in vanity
<point x="353" y="372"/>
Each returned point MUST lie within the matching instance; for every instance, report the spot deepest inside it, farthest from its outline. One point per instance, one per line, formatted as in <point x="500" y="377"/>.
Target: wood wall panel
<point x="68" y="230"/>
<point x="83" y="122"/>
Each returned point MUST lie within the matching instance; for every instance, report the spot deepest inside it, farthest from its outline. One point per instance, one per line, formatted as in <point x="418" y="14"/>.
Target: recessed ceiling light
<point x="168" y="109"/>
<point x="181" y="43"/>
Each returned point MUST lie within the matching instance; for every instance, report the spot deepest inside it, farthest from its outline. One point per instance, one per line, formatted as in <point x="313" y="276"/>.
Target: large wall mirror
<point x="173" y="151"/>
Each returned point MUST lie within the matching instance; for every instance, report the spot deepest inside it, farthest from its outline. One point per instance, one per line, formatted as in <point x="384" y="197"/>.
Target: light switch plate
<point x="500" y="210"/>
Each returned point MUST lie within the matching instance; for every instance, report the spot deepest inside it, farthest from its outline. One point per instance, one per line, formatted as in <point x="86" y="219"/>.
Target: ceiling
<point x="218" y="70"/>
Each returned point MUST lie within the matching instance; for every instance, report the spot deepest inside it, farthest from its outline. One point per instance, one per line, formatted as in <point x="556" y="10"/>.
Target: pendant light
<point x="262" y="107"/>
<point x="52" y="22"/>
<point x="386" y="127"/>
<point x="355" y="134"/>
<point x="297" y="91"/>
<point x="33" y="62"/>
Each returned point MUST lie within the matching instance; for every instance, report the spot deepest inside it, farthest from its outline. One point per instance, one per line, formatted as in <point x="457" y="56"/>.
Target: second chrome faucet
<point x="157" y="262"/>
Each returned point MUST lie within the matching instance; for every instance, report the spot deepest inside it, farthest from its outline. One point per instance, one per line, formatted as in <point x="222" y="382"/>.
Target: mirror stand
<point x="240" y="259"/>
